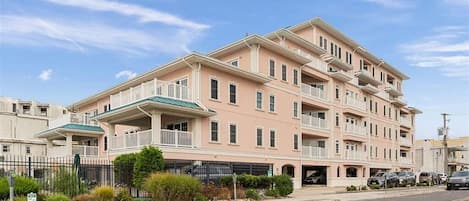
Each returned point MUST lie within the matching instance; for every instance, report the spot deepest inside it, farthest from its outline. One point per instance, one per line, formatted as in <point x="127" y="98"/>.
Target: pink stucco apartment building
<point x="304" y="100"/>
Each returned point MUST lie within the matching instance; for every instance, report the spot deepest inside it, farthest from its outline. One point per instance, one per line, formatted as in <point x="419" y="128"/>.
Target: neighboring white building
<point x="429" y="154"/>
<point x="20" y="120"/>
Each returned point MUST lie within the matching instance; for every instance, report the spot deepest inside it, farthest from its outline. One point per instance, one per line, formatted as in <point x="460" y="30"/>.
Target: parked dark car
<point x="211" y="172"/>
<point x="380" y="178"/>
<point x="429" y="178"/>
<point x="315" y="178"/>
<point x="406" y="178"/>
<point x="458" y="180"/>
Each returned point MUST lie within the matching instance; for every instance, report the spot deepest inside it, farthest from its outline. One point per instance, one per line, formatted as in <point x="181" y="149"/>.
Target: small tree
<point x="123" y="165"/>
<point x="149" y="160"/>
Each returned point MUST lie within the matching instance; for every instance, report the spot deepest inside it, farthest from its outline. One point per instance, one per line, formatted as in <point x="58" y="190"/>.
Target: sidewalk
<point x="340" y="194"/>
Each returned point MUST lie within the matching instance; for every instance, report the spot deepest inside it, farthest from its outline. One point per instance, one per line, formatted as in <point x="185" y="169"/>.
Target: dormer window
<point x="234" y="62"/>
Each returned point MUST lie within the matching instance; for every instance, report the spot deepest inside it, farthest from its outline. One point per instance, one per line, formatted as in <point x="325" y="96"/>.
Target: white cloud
<point x="144" y="14"/>
<point x="45" y="74"/>
<point x="75" y="35"/>
<point x="447" y="50"/>
<point x="126" y="73"/>
<point x="392" y="3"/>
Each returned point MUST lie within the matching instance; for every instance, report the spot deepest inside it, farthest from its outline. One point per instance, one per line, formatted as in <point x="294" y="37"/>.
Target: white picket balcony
<point x="313" y="92"/>
<point x="353" y="129"/>
<point x="314" y="152"/>
<point x="405" y="160"/>
<point x="83" y="150"/>
<point x="173" y="138"/>
<point x="405" y="121"/>
<point x="405" y="141"/>
<point x="75" y="118"/>
<point x="313" y="122"/>
<point x="355" y="103"/>
<point x="354" y="156"/>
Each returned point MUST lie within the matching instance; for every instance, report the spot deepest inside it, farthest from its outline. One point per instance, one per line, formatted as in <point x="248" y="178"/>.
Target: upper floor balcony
<point x="393" y="90"/>
<point x="313" y="152"/>
<point x="398" y="101"/>
<point x="314" y="92"/>
<point x="368" y="88"/>
<point x="405" y="121"/>
<point x="353" y="129"/>
<point x="149" y="89"/>
<point x="354" y="155"/>
<point x="311" y="122"/>
<point x="73" y="118"/>
<point x="355" y="103"/>
<point x="139" y="139"/>
<point x="340" y="75"/>
<point x="405" y="160"/>
<point x="365" y="77"/>
<point x="82" y="150"/>
<point x="405" y="141"/>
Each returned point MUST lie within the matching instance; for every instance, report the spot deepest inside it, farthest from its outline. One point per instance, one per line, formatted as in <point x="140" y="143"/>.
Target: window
<point x="346" y="56"/>
<point x="373" y="71"/>
<point x="340" y="53"/>
<point x="389" y="133"/>
<point x="259" y="100"/>
<point x="272" y="103"/>
<point x="384" y="152"/>
<point x="105" y="108"/>
<point x="337" y="148"/>
<point x="214" y="89"/>
<point x="350" y="58"/>
<point x="234" y="62"/>
<point x="28" y="150"/>
<point x="395" y="154"/>
<point x="376" y="152"/>
<point x="43" y="111"/>
<point x="295" y="141"/>
<point x="272" y="68"/>
<point x="376" y="129"/>
<point x="371" y="128"/>
<point x="390" y="158"/>
<point x="381" y="76"/>
<point x="338" y="171"/>
<point x="325" y="44"/>
<point x="214" y="131"/>
<point x="259" y="137"/>
<point x="371" y="151"/>
<point x="384" y="132"/>
<point x="332" y="48"/>
<point x="371" y="105"/>
<point x="233" y="93"/>
<point x="351" y="172"/>
<point x="233" y="131"/>
<point x="272" y="138"/>
<point x="295" y="109"/>
<point x="105" y="143"/>
<point x="320" y="41"/>
<point x="337" y="119"/>
<point x="14" y="107"/>
<point x="376" y="107"/>
<point x="335" y="50"/>
<point x="284" y="72"/>
<point x="337" y="92"/>
<point x="5" y="148"/>
<point x="295" y="77"/>
<point x="384" y="110"/>
<point x="389" y="112"/>
<point x="26" y="109"/>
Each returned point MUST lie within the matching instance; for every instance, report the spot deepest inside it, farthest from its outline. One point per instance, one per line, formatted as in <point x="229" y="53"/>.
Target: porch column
<point x="197" y="133"/>
<point x="110" y="137"/>
<point x="69" y="144"/>
<point x="156" y="127"/>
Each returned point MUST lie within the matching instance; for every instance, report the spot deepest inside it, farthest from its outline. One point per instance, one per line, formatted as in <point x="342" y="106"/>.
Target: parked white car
<point x="443" y="177"/>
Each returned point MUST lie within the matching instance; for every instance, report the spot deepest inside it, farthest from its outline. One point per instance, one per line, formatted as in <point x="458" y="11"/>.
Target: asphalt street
<point x="457" y="195"/>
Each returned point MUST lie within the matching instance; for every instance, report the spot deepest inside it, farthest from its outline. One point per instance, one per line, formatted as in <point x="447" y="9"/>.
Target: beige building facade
<point x="303" y="101"/>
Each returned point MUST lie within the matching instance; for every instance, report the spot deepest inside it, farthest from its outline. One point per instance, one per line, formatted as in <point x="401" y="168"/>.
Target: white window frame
<point x="275" y="138"/>
<point x="262" y="136"/>
<point x="275" y="106"/>
<point x="275" y="68"/>
<point x="236" y="93"/>
<point x="282" y="71"/>
<point x="8" y="148"/>
<point x="297" y="109"/>
<point x="218" y="130"/>
<point x="236" y="133"/>
<point x="234" y="60"/>
<point x="296" y="81"/>
<point x="297" y="143"/>
<point x="262" y="99"/>
<point x="210" y="87"/>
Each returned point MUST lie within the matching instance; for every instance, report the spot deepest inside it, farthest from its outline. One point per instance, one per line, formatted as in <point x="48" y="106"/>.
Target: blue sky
<point x="60" y="51"/>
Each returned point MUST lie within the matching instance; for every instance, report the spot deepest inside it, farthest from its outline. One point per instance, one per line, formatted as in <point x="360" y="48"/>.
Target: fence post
<point x="29" y="166"/>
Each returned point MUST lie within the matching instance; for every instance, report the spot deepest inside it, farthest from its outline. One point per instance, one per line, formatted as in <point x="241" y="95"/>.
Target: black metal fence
<point x="72" y="175"/>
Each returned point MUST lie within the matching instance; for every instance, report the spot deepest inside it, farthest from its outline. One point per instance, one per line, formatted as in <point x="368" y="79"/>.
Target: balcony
<point x="308" y="121"/>
<point x="370" y="89"/>
<point x="352" y="129"/>
<point x="337" y="63"/>
<point x="314" y="152"/>
<point x="73" y="118"/>
<point x="403" y="141"/>
<point x="83" y="150"/>
<point x="341" y="75"/>
<point x="354" y="156"/>
<point x="317" y="64"/>
<point x="405" y="160"/>
<point x="398" y="101"/>
<point x="392" y="90"/>
<point x="313" y="92"/>
<point x="355" y="103"/>
<point x="405" y="122"/>
<point x="149" y="89"/>
<point x="171" y="138"/>
<point x="366" y="77"/>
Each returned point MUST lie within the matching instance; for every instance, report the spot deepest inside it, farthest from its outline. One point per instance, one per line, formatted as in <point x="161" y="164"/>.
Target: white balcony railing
<point x="353" y="129"/>
<point x="405" y="160"/>
<point x="405" y="141"/>
<point x="57" y="151"/>
<point x="143" y="138"/>
<point x="313" y="122"/>
<point x="355" y="103"/>
<point x="83" y="150"/>
<point x="314" y="152"/>
<point x="149" y="89"/>
<point x="405" y="121"/>
<point x="354" y="155"/>
<point x="313" y="92"/>
<point x="75" y="118"/>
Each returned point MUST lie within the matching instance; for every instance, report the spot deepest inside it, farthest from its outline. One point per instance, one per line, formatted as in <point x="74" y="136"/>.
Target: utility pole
<point x="445" y="143"/>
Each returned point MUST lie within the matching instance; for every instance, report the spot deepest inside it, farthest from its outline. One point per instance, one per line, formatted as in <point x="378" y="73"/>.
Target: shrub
<point x="226" y="181"/>
<point x="170" y="187"/>
<point x="103" y="193"/>
<point x="23" y="186"/>
<point x="364" y="188"/>
<point x="123" y="195"/>
<point x="68" y="183"/>
<point x="351" y="188"/>
<point x="41" y="196"/>
<point x="123" y="165"/>
<point x="283" y="184"/>
<point x="374" y="186"/>
<point x="149" y="160"/>
<point x="272" y="193"/>
<point x="83" y="197"/>
<point x="248" y="181"/>
<point x="240" y="192"/>
<point x="57" y="197"/>
<point x="264" y="182"/>
<point x="200" y="197"/>
<point x="252" y="194"/>
<point x="210" y="191"/>
<point x="20" y="198"/>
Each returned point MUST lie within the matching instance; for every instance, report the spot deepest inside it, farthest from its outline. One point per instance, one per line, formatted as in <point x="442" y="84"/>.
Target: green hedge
<point x="248" y="181"/>
<point x="284" y="184"/>
<point x="23" y="186"/>
<point x="170" y="187"/>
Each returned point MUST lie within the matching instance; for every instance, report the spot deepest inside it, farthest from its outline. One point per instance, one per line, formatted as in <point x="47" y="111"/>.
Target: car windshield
<point x="424" y="174"/>
<point x="379" y="174"/>
<point x="461" y="174"/>
<point x="401" y="174"/>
